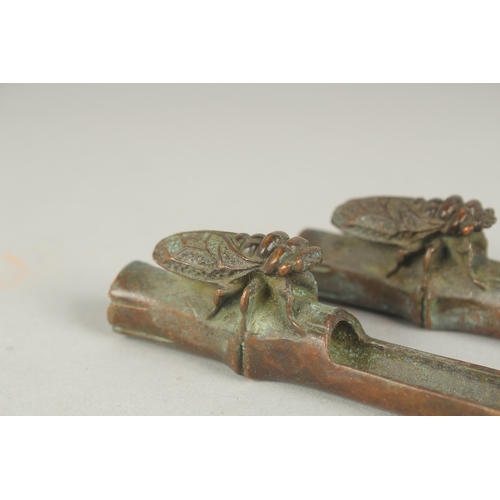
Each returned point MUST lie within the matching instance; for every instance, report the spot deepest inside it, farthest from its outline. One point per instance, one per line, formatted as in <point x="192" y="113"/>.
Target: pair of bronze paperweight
<point x="252" y="302"/>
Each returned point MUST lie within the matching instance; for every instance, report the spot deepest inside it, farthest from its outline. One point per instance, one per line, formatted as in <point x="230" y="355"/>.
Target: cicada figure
<point x="240" y="263"/>
<point x="414" y="224"/>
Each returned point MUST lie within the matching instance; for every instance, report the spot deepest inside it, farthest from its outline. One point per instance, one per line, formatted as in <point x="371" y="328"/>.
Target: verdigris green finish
<point x="278" y="330"/>
<point x="243" y="265"/>
<point x="425" y="261"/>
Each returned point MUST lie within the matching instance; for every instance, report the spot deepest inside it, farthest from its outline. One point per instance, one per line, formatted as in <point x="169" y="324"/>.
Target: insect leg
<point x="472" y="274"/>
<point x="428" y="255"/>
<point x="401" y="257"/>
<point x="427" y="261"/>
<point x="289" y="302"/>
<point x="402" y="254"/>
<point x="251" y="289"/>
<point x="223" y="293"/>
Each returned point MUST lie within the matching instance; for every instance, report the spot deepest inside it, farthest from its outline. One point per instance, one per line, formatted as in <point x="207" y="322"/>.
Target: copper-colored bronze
<point x="277" y="330"/>
<point x="240" y="263"/>
<point x="412" y="224"/>
<point x="425" y="261"/>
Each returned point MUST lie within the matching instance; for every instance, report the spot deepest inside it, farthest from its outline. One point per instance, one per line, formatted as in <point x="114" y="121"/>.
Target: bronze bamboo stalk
<point x="332" y="353"/>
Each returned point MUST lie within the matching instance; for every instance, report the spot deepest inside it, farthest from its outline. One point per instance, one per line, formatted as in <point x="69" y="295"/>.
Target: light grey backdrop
<point x="92" y="176"/>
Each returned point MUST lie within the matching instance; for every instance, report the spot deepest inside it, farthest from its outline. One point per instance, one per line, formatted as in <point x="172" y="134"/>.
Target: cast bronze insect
<point x="240" y="263"/>
<point x="414" y="224"/>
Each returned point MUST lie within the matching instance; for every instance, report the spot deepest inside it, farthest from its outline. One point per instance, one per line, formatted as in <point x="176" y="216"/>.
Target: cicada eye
<point x="315" y="257"/>
<point x="488" y="217"/>
<point x="311" y="258"/>
<point x="467" y="230"/>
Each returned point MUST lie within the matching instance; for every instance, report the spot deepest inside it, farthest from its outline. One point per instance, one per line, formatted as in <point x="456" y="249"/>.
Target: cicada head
<point x="294" y="256"/>
<point x="470" y="217"/>
<point x="488" y="218"/>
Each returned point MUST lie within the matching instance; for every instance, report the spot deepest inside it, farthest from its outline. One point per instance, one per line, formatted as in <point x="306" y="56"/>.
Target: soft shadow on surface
<point x="91" y="314"/>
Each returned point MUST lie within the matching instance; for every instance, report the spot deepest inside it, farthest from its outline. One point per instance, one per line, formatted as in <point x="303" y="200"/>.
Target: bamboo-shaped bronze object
<point x="424" y="261"/>
<point x="251" y="302"/>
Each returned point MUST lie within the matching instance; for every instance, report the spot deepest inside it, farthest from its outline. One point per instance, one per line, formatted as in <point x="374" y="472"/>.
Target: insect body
<point x="414" y="224"/>
<point x="240" y="263"/>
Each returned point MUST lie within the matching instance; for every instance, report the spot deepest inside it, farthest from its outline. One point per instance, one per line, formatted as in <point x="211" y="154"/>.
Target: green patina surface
<point x="177" y="308"/>
<point x="445" y="297"/>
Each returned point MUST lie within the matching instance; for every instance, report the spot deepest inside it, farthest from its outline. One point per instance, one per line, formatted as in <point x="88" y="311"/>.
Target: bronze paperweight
<point x="252" y="303"/>
<point x="424" y="261"/>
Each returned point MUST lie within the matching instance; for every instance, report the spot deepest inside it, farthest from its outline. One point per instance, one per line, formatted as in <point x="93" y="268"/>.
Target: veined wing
<point x="410" y="213"/>
<point x="210" y="256"/>
<point x="386" y="219"/>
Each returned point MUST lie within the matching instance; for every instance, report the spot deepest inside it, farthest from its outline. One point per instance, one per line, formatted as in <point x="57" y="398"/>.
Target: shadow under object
<point x="331" y="353"/>
<point x="445" y="282"/>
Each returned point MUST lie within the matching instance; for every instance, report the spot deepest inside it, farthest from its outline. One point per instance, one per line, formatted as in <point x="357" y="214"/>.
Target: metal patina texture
<point x="425" y="261"/>
<point x="277" y="329"/>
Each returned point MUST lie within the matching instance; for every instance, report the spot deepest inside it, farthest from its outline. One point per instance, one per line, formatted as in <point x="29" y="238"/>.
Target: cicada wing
<point x="366" y="218"/>
<point x="385" y="219"/>
<point x="210" y="256"/>
<point x="412" y="217"/>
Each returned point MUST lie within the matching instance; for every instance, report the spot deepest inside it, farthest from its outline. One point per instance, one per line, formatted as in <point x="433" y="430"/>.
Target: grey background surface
<point x="93" y="176"/>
